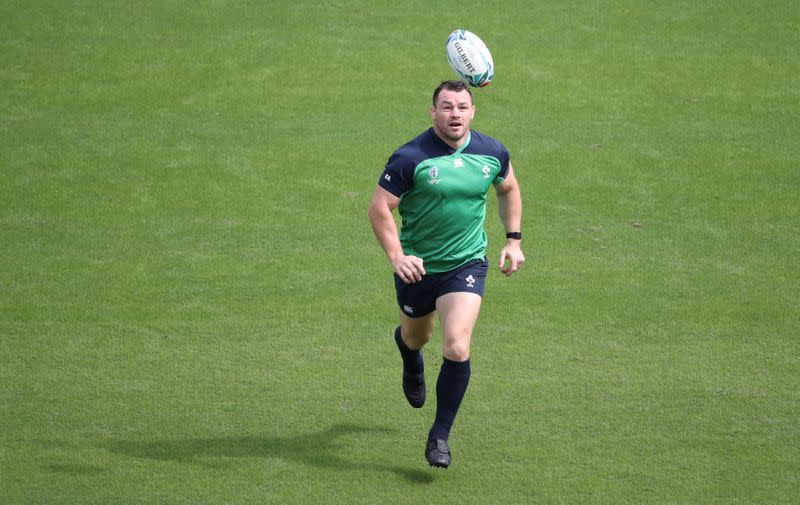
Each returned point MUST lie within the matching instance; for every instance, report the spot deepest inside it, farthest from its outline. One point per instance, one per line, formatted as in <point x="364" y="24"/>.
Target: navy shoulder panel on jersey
<point x="488" y="146"/>
<point x="398" y="176"/>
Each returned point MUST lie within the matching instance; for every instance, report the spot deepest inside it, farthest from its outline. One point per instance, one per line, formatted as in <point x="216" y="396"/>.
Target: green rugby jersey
<point x="443" y="194"/>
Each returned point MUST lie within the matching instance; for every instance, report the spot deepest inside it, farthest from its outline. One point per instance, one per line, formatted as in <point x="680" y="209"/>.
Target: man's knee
<point x="416" y="340"/>
<point x="456" y="347"/>
<point x="416" y="332"/>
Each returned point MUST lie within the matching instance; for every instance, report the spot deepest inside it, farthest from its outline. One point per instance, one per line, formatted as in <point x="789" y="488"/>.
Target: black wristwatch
<point x="517" y="235"/>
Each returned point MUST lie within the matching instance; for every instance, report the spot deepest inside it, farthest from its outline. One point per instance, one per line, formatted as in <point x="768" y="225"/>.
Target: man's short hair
<point x="451" y="85"/>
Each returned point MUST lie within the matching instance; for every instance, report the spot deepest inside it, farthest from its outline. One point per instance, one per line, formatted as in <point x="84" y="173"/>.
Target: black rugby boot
<point x="438" y="453"/>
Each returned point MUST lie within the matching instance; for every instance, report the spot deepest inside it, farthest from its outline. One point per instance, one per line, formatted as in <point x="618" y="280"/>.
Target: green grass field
<point x="193" y="308"/>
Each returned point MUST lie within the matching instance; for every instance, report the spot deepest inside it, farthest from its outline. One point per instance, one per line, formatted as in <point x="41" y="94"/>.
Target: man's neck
<point x="455" y="144"/>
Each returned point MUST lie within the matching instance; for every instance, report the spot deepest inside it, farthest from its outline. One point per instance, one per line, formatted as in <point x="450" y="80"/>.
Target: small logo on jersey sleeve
<point x="485" y="171"/>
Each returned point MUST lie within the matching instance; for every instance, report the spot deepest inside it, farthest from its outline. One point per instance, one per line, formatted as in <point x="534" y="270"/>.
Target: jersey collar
<point x="448" y="146"/>
<point x="465" y="144"/>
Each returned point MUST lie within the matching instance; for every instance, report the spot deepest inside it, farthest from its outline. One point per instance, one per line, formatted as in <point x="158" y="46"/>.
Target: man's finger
<point x="512" y="268"/>
<point x="418" y="269"/>
<point x="502" y="261"/>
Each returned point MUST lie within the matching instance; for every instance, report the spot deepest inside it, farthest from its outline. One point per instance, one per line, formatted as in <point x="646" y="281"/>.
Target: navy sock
<point x="412" y="358"/>
<point x="450" y="388"/>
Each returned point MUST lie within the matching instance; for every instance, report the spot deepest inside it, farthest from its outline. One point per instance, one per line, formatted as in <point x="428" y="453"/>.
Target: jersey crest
<point x="433" y="175"/>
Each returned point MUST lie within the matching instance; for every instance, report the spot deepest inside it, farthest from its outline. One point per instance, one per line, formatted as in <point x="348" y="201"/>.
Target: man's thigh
<point x="458" y="313"/>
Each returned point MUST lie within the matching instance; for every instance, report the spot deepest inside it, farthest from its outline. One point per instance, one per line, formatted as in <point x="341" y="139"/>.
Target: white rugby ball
<point x="469" y="58"/>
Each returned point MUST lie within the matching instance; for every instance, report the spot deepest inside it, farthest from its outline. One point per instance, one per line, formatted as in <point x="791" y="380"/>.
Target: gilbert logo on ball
<point x="469" y="58"/>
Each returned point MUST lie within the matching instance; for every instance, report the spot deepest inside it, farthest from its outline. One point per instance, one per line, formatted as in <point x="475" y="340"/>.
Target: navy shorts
<point x="419" y="299"/>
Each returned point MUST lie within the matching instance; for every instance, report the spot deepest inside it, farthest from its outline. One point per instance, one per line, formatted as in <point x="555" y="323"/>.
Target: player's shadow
<point x="320" y="449"/>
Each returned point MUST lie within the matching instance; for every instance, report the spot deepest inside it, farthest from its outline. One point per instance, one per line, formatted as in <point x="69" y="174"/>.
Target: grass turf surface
<point x="193" y="308"/>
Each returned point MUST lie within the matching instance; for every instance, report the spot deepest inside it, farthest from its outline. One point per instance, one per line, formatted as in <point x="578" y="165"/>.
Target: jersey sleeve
<point x="398" y="175"/>
<point x="505" y="159"/>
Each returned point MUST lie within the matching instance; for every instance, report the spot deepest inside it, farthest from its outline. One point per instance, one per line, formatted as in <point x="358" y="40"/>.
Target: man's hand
<point x="408" y="268"/>
<point x="511" y="254"/>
